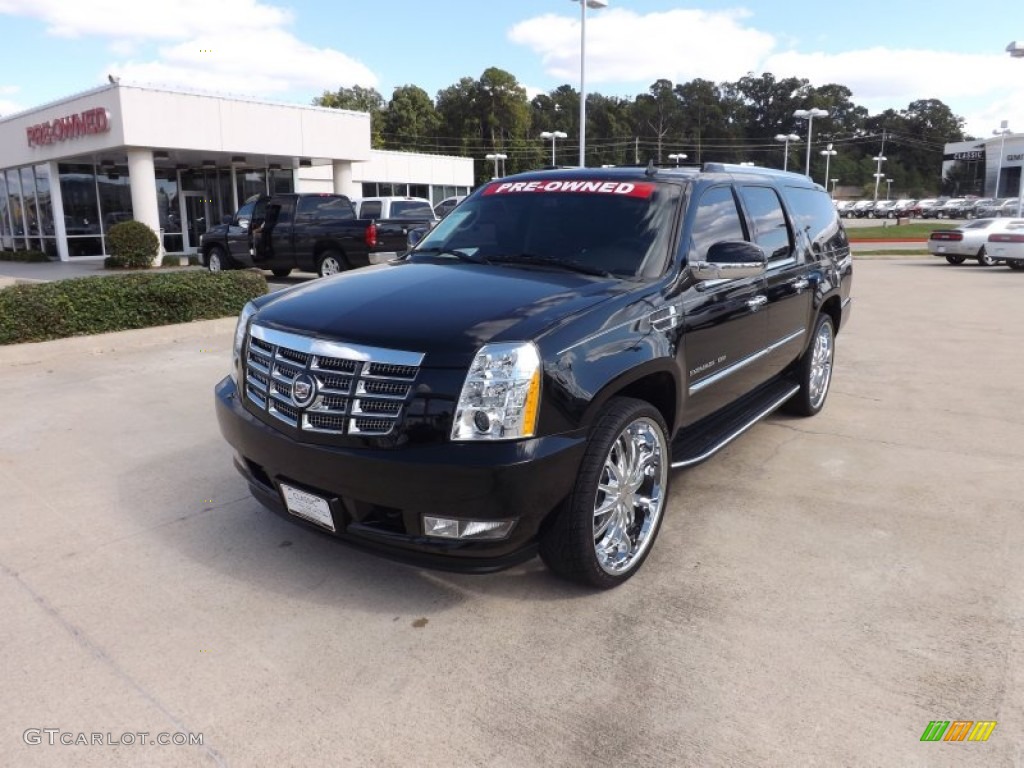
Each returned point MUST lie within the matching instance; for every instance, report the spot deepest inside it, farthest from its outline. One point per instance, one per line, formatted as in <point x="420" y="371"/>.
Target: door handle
<point x="757" y="302"/>
<point x="800" y="284"/>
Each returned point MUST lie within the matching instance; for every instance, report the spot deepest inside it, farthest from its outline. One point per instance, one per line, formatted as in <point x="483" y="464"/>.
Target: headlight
<point x="501" y="396"/>
<point x="240" y="330"/>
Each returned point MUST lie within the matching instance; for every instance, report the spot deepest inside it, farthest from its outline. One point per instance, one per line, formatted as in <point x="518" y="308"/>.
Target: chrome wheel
<point x="329" y="265"/>
<point x="213" y="261"/>
<point x="630" y="496"/>
<point x="821" y="365"/>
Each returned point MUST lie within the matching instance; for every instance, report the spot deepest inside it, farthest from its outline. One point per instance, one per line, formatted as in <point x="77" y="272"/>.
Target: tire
<point x="984" y="259"/>
<point x="954" y="260"/>
<point x="814" y="371"/>
<point x="217" y="260"/>
<point x="282" y="271"/>
<point x="1016" y="266"/>
<point x="330" y="263"/>
<point x="601" y="536"/>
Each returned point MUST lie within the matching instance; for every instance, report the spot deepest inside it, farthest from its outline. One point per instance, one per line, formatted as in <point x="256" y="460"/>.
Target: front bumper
<point x="379" y="497"/>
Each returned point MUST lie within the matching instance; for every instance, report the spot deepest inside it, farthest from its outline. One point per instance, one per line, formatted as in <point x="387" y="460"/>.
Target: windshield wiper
<point x="551" y="261"/>
<point x="460" y="255"/>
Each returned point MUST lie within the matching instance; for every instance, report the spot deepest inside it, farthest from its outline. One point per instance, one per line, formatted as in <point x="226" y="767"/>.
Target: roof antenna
<point x="651" y="169"/>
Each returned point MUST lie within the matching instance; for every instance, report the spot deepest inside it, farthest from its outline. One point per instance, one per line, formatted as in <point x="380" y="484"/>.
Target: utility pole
<point x="878" y="170"/>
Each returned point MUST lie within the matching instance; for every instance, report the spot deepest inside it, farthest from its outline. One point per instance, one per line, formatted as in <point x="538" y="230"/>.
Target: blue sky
<point x="889" y="53"/>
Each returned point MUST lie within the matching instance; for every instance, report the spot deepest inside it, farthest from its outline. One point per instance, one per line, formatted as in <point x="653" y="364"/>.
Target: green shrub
<point x="23" y="256"/>
<point x="87" y="305"/>
<point x="131" y="244"/>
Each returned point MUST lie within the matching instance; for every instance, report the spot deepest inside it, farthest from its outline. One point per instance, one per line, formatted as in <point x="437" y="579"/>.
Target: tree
<point x="656" y="116"/>
<point x="358" y="99"/>
<point x="768" y="104"/>
<point x="411" y="121"/>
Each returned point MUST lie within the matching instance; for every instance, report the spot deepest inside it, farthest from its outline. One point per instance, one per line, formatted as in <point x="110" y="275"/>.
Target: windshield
<point x="617" y="227"/>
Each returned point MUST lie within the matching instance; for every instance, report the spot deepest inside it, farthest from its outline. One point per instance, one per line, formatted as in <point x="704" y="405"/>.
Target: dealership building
<point x="990" y="167"/>
<point x="181" y="161"/>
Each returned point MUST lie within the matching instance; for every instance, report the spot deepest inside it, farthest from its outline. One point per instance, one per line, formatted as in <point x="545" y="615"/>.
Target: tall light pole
<point x="879" y="159"/>
<point x="1016" y="49"/>
<point x="786" y="137"/>
<point x="809" y="115"/>
<point x="496" y="157"/>
<point x="677" y="157"/>
<point x="553" y="135"/>
<point x="584" y="4"/>
<point x="888" y="185"/>
<point x="828" y="152"/>
<point x="1002" y="132"/>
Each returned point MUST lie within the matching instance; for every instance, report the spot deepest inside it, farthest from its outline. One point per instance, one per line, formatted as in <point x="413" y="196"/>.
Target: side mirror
<point x="228" y="219"/>
<point x="730" y="259"/>
<point x="415" y="235"/>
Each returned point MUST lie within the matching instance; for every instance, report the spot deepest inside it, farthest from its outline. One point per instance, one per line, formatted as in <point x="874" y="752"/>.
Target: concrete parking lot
<point x="821" y="590"/>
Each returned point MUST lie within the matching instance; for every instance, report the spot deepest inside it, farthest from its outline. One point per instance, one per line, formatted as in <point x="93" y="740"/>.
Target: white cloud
<point x="128" y="19"/>
<point x="625" y="47"/>
<point x="240" y="46"/>
<point x="230" y="62"/>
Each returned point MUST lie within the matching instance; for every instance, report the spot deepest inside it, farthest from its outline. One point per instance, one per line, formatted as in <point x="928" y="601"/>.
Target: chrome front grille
<point x="358" y="390"/>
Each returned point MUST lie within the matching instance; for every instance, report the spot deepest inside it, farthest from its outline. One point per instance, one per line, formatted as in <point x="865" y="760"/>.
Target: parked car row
<point x="930" y="208"/>
<point x="989" y="241"/>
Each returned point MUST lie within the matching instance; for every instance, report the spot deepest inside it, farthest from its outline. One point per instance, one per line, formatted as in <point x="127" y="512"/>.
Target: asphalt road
<point x="820" y="591"/>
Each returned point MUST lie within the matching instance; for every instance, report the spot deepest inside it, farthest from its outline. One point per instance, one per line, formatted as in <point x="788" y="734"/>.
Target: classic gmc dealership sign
<point x="71" y="127"/>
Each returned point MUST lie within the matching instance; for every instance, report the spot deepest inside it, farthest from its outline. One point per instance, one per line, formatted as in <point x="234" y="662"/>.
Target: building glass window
<point x="6" y="235"/>
<point x="222" y="202"/>
<point x="29" y="211"/>
<point x="282" y="182"/>
<point x="369" y="189"/>
<point x="16" y="206"/>
<point x="251" y="182"/>
<point x="169" y="209"/>
<point x="44" y="202"/>
<point x="419" y="190"/>
<point x="115" y="195"/>
<point x="81" y="211"/>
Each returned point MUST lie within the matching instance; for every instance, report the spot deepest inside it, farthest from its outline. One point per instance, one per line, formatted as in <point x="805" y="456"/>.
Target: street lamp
<point x="888" y="184"/>
<point x="786" y="137"/>
<point x="553" y="135"/>
<point x="584" y="4"/>
<point x="809" y="115"/>
<point x="496" y="157"/>
<point x="1002" y="132"/>
<point x="828" y="152"/>
<point x="879" y="159"/>
<point x="677" y="157"/>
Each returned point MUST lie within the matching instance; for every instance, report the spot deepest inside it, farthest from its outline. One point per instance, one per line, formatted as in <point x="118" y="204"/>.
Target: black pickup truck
<point x="312" y="232"/>
<point x="525" y="379"/>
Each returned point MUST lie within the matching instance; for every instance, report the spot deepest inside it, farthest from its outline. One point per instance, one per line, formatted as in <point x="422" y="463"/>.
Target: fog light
<point x="447" y="528"/>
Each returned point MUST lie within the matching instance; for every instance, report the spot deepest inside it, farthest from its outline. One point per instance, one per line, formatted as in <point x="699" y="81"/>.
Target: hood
<point x="446" y="311"/>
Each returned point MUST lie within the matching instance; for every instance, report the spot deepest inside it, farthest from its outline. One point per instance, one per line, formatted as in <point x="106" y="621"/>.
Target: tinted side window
<point x="370" y="209"/>
<point x="716" y="219"/>
<point x="770" y="229"/>
<point x="281" y="212"/>
<point x="244" y="213"/>
<point x="814" y="213"/>
<point x="324" y="207"/>
<point x="411" y="208"/>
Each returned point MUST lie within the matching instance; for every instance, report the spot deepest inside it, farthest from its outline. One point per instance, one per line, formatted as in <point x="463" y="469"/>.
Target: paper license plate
<point x="308" y="506"/>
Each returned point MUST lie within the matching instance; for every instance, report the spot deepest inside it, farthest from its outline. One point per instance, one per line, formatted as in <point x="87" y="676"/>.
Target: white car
<point x="1008" y="245"/>
<point x="971" y="240"/>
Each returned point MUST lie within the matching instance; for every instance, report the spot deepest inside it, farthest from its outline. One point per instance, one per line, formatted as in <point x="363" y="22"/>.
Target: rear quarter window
<point x="815" y="214"/>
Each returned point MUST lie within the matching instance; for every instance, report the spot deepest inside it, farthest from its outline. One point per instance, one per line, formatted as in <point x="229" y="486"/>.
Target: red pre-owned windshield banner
<point x="625" y="188"/>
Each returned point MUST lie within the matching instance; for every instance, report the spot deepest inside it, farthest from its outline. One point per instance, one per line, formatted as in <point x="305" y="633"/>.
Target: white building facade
<point x="179" y="162"/>
<point x="990" y="167"/>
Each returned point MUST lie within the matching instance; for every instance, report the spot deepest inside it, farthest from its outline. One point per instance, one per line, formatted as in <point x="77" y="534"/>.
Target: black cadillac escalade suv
<point x="526" y="378"/>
